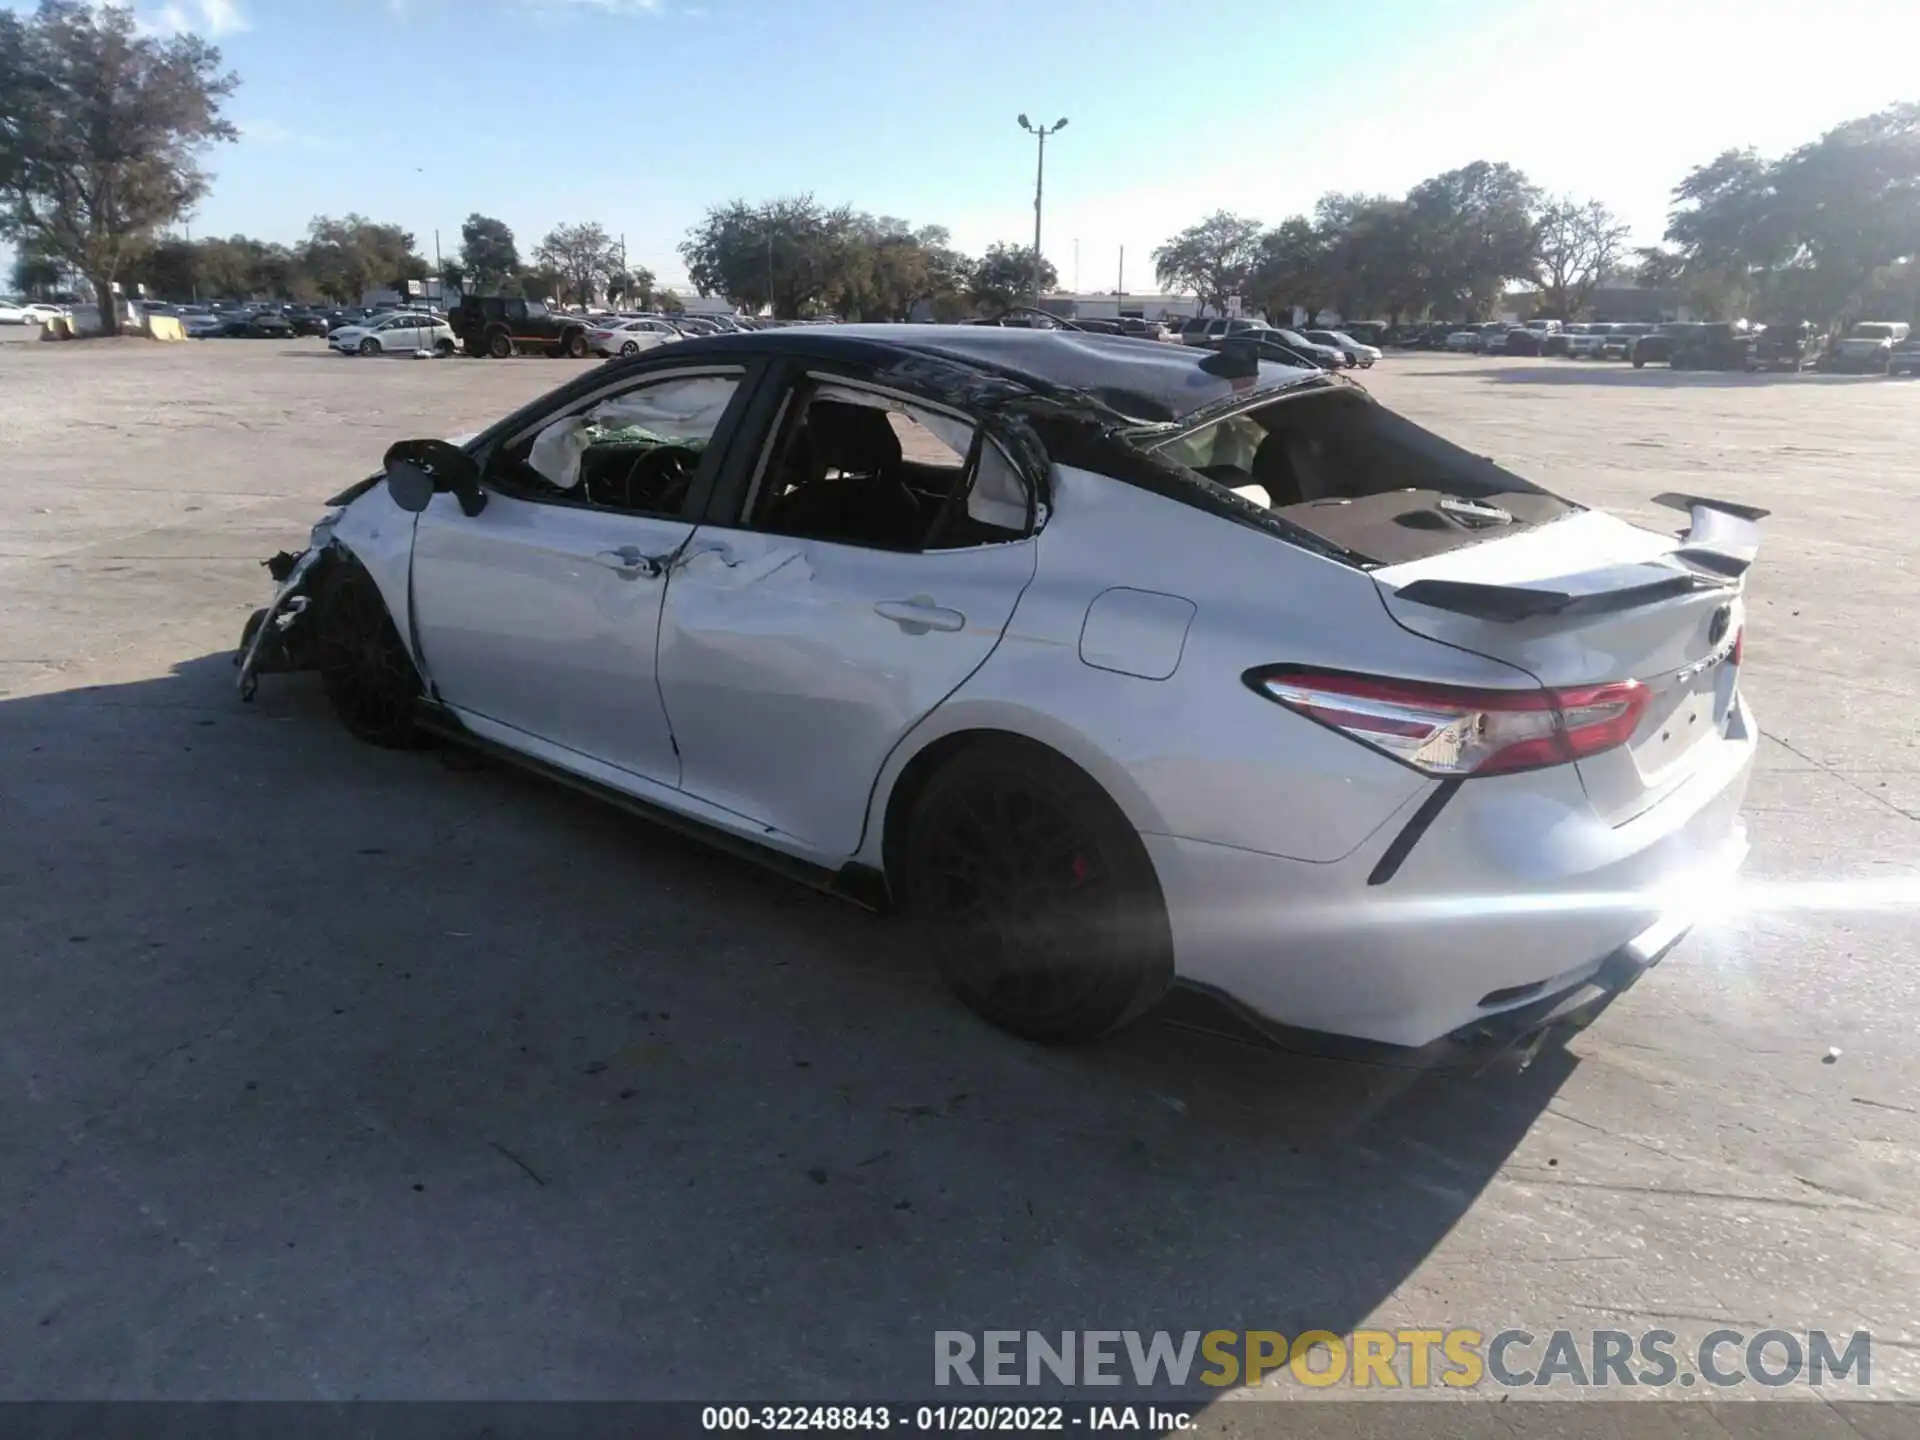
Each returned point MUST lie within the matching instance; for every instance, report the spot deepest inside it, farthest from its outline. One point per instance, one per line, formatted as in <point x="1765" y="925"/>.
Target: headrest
<point x="853" y="438"/>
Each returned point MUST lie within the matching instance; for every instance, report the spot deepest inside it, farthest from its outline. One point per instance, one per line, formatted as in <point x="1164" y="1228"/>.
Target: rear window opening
<point x="1347" y="470"/>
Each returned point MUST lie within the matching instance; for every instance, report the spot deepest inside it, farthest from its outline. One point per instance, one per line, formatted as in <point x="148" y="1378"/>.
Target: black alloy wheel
<point x="369" y="678"/>
<point x="1037" y="899"/>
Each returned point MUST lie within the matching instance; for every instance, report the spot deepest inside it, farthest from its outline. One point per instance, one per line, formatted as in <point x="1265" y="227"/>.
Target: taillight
<point x="1453" y="731"/>
<point x="1739" y="646"/>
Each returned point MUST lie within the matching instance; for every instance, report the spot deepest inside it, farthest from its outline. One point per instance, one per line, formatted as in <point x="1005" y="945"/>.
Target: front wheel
<point x="1036" y="897"/>
<point x="369" y="678"/>
<point x="369" y="346"/>
<point x="630" y="348"/>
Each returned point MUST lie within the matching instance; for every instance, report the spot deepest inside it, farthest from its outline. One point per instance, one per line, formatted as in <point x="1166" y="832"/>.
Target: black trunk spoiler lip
<point x="1601" y="592"/>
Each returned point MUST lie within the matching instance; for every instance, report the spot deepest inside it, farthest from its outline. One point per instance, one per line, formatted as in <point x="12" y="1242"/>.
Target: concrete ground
<point x="329" y="1072"/>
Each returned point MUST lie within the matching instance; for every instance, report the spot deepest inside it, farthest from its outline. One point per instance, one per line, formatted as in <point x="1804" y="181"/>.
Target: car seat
<point x="866" y="502"/>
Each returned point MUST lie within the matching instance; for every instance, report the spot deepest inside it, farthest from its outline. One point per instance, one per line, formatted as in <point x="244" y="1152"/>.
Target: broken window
<point x="860" y="468"/>
<point x="635" y="452"/>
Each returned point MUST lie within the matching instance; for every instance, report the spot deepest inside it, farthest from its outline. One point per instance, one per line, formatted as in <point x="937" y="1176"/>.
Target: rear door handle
<point x="629" y="562"/>
<point x="919" y="615"/>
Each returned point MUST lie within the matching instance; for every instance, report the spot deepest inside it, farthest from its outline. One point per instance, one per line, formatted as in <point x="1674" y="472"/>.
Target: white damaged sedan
<point x="1116" y="665"/>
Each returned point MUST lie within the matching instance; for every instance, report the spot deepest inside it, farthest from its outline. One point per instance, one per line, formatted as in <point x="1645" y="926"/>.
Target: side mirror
<point x="417" y="470"/>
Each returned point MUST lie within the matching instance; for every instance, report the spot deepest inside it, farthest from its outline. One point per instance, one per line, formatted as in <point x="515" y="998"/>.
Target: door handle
<point x="629" y="562"/>
<point x="919" y="615"/>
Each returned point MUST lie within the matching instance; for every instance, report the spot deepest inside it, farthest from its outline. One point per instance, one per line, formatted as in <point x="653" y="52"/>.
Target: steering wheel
<point x="659" y="477"/>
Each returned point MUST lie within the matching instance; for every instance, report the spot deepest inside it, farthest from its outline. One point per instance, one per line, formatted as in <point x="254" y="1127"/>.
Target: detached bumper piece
<point x="273" y="641"/>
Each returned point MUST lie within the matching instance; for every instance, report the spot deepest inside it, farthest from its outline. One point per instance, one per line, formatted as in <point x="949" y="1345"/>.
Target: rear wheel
<point x="368" y="676"/>
<point x="575" y="345"/>
<point x="500" y="345"/>
<point x="1037" y="899"/>
<point x="443" y="346"/>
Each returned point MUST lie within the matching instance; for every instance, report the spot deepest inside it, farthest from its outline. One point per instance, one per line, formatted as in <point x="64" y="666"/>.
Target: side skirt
<point x="858" y="884"/>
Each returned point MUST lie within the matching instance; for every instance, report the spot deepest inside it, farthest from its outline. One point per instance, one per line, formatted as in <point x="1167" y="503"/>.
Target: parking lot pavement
<point x="336" y="1072"/>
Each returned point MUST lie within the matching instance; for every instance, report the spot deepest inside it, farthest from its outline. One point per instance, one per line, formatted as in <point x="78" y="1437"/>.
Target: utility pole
<point x="771" y="312"/>
<point x="439" y="275"/>
<point x="1040" y="133"/>
<point x="1120" y="283"/>
<point x="1076" y="265"/>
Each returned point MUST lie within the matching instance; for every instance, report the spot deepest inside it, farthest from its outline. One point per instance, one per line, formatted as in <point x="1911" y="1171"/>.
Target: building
<point x="1106" y="305"/>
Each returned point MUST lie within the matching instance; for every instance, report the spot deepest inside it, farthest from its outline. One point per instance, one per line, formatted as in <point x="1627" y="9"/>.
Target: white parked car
<point x="1588" y="342"/>
<point x="617" y="336"/>
<point x="1469" y="338"/>
<point x="14" y="313"/>
<point x="1053" y="640"/>
<point x="399" y="332"/>
<point x="1357" y="353"/>
<point x="29" y="312"/>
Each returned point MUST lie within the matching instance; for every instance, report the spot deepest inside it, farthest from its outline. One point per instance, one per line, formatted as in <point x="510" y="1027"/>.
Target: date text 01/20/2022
<point x="944" y="1419"/>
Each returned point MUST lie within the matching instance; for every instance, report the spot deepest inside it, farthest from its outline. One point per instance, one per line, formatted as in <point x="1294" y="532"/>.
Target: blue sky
<point x="639" y="113"/>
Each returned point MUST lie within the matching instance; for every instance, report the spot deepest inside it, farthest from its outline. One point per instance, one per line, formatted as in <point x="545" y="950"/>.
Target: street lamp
<point x="1040" y="133"/>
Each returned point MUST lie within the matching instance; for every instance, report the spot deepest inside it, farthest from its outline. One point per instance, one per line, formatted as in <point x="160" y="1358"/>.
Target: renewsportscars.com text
<point x="1414" y="1359"/>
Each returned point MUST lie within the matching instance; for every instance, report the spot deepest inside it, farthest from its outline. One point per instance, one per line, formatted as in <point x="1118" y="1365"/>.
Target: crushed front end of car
<point x="278" y="638"/>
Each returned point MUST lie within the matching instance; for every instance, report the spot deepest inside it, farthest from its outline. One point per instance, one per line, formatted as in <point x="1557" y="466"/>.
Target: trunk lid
<point x="1590" y="599"/>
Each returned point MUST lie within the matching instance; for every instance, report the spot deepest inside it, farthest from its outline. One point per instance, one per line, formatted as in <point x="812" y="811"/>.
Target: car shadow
<point x="471" y="1085"/>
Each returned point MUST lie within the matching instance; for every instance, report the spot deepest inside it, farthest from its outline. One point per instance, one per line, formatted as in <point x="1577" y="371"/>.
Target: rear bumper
<point x="1517" y="908"/>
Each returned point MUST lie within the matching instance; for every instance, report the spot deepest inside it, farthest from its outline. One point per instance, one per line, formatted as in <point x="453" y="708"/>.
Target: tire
<point x="369" y="679"/>
<point x="443" y="347"/>
<point x="369" y="346"/>
<point x="632" y="347"/>
<point x="500" y="345"/>
<point x="1037" y="900"/>
<point x="575" y="345"/>
<point x="1638" y="363"/>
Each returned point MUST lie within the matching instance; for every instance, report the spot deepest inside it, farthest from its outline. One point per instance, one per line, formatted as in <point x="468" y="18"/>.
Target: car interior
<point x="636" y="453"/>
<point x="861" y="472"/>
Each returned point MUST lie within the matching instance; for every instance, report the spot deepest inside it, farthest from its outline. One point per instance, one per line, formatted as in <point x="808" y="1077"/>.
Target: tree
<point x="1290" y="268"/>
<point x="347" y="257"/>
<point x="487" y="253"/>
<point x="101" y="132"/>
<point x="1213" y="259"/>
<point x="631" y="285"/>
<point x="1475" y="228"/>
<point x="453" y="276"/>
<point x="1576" y="244"/>
<point x="790" y="255"/>
<point x="582" y="256"/>
<point x="1004" y="274"/>
<point x="34" y="274"/>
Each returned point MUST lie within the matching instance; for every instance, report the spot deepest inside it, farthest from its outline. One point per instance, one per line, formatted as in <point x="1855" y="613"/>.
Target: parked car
<point x="1589" y="342"/>
<point x="1716" y="345"/>
<point x="1271" y="345"/>
<point x="500" y="327"/>
<point x="308" y="320"/>
<point x="1657" y="347"/>
<point x="395" y="332"/>
<point x="1143" y="329"/>
<point x="1493" y="339"/>
<point x="39" y="313"/>
<point x="1619" y="340"/>
<point x="1202" y="328"/>
<point x="630" y="337"/>
<point x="1469" y="337"/>
<point x="1522" y="340"/>
<point x="1367" y="332"/>
<point x="14" y="312"/>
<point x="1357" y="353"/>
<point x="1561" y="341"/>
<point x="1867" y="346"/>
<point x="1315" y="765"/>
<point x="252" y="325"/>
<point x="1790" y="345"/>
<point x="201" y="324"/>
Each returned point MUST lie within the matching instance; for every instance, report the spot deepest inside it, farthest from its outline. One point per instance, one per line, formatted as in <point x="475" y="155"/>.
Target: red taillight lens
<point x="1739" y="646"/>
<point x="1452" y="731"/>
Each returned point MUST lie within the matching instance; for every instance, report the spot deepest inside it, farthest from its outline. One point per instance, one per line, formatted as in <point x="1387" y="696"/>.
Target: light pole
<point x="1040" y="133"/>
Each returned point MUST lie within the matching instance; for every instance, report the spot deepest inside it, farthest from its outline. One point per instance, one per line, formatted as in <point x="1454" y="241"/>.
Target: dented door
<point x="790" y="668"/>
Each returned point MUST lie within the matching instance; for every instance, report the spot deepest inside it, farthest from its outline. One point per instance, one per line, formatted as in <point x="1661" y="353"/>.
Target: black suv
<point x="498" y="326"/>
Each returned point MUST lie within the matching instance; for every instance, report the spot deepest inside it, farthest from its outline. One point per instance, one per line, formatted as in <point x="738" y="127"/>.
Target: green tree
<point x="35" y="275"/>
<point x="345" y="258"/>
<point x="1213" y="259"/>
<point x="1475" y="228"/>
<point x="1576" y="245"/>
<point x="1291" y="267"/>
<point x="635" y="286"/>
<point x="1004" y="276"/>
<point x="793" y="255"/>
<point x="582" y="256"/>
<point x="101" y="133"/>
<point x="487" y="253"/>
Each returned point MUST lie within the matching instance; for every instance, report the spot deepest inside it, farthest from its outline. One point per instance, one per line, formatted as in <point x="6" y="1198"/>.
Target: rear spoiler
<point x="1721" y="536"/>
<point x="1592" y="592"/>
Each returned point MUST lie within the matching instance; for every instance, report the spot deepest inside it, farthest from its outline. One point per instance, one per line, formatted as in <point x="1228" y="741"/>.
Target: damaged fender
<point x="370" y="529"/>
